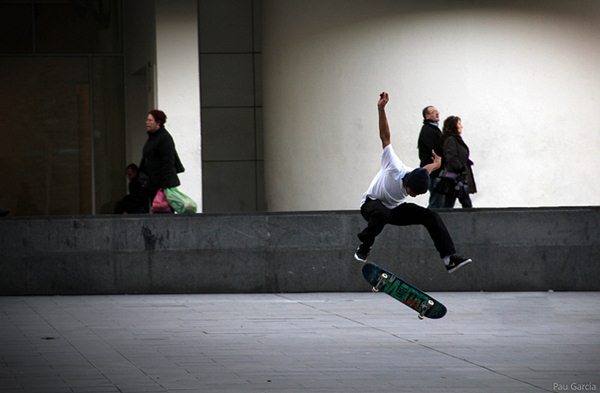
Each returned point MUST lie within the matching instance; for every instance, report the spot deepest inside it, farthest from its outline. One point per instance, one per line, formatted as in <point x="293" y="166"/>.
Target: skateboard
<point x="384" y="281"/>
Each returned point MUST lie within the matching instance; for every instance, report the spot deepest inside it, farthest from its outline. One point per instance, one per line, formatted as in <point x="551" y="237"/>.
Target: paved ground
<point x="318" y="342"/>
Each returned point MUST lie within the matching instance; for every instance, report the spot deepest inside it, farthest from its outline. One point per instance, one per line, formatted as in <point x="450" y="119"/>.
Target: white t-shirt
<point x="387" y="184"/>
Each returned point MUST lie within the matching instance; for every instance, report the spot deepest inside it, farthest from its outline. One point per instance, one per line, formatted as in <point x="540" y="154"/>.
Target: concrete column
<point x="178" y="85"/>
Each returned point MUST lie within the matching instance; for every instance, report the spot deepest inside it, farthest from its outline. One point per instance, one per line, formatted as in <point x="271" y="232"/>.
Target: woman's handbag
<point x="160" y="203"/>
<point x="445" y="183"/>
<point x="180" y="202"/>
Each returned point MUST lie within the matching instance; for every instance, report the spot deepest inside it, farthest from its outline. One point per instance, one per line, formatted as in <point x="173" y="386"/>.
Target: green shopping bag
<point x="180" y="202"/>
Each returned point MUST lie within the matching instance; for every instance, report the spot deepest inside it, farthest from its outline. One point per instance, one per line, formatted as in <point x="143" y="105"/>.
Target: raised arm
<point x="384" y="128"/>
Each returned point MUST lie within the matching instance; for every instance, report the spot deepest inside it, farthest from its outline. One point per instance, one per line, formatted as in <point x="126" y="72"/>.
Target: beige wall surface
<point x="524" y="79"/>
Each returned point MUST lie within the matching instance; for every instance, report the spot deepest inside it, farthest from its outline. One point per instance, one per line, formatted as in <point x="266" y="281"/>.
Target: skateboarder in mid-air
<point x="383" y="202"/>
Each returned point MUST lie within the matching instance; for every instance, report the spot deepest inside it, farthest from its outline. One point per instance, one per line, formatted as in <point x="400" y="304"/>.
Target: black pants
<point x="436" y="199"/>
<point x="464" y="199"/>
<point x="377" y="216"/>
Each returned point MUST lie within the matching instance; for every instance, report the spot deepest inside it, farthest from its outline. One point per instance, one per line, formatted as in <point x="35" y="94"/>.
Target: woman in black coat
<point x="456" y="159"/>
<point x="160" y="162"/>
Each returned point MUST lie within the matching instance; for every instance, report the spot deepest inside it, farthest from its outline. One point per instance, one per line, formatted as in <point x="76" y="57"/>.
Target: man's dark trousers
<point x="377" y="216"/>
<point x="436" y="199"/>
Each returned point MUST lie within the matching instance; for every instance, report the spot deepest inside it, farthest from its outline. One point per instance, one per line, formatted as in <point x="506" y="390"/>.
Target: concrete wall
<point x="513" y="249"/>
<point x="522" y="75"/>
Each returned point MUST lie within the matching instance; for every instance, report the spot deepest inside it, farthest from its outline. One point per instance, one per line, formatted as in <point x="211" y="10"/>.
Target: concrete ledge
<point x="514" y="250"/>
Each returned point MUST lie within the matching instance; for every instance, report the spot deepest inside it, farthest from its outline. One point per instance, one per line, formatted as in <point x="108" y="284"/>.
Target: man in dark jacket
<point x="160" y="162"/>
<point x="430" y="138"/>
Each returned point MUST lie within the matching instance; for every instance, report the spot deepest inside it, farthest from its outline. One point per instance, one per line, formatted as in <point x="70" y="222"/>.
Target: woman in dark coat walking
<point x="456" y="159"/>
<point x="160" y="162"/>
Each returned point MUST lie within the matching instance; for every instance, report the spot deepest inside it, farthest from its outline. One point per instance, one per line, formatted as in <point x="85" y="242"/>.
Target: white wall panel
<point x="524" y="79"/>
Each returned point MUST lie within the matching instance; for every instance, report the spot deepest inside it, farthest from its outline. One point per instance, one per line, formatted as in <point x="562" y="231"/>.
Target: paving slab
<point x="306" y="342"/>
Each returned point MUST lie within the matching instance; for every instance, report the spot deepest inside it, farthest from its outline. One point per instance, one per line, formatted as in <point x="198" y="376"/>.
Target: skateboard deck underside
<point x="403" y="292"/>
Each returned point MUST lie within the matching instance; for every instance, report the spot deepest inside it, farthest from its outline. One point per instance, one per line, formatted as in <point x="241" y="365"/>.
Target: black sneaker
<point x="362" y="253"/>
<point x="456" y="262"/>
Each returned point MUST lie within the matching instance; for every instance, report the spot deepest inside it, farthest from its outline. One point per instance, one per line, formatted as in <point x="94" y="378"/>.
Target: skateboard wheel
<point x="420" y="317"/>
<point x="380" y="282"/>
<point x="430" y="303"/>
<point x="374" y="289"/>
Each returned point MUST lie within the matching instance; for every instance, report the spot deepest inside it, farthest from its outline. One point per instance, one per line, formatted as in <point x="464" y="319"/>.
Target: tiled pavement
<point x="316" y="342"/>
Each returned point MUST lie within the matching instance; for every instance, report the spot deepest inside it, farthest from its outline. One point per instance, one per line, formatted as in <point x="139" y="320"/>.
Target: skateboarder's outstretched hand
<point x="383" y="100"/>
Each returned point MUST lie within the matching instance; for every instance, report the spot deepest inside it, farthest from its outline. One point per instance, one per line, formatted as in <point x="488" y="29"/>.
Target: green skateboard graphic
<point x="384" y="281"/>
